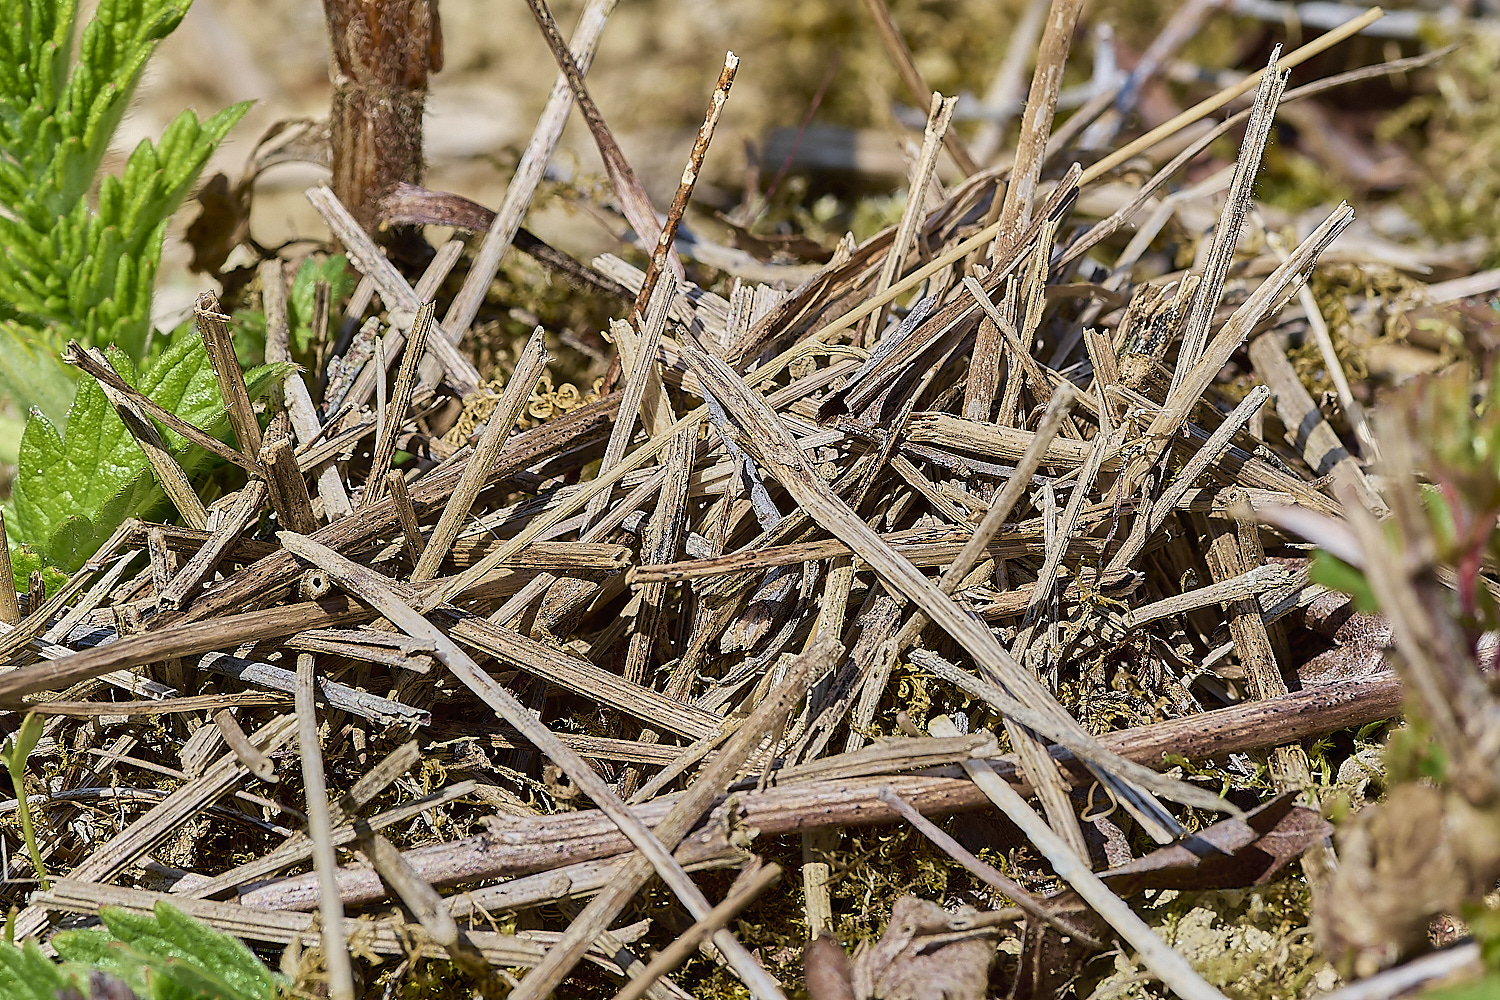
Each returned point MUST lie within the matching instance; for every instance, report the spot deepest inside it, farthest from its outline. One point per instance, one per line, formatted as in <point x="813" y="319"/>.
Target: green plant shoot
<point x="14" y="753"/>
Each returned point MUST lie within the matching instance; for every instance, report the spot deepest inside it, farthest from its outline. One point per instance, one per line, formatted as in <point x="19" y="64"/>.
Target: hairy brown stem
<point x="383" y="51"/>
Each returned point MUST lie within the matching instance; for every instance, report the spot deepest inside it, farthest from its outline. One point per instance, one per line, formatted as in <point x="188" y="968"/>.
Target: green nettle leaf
<point x="74" y="487"/>
<point x="28" y="359"/>
<point x="340" y="279"/>
<point x="27" y="974"/>
<point x="167" y="955"/>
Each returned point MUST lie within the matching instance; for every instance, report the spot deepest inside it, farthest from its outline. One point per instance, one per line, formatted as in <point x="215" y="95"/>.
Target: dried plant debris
<point x="1016" y="498"/>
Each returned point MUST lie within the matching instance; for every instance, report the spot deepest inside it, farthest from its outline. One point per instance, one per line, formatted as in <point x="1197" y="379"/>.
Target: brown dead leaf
<point x="223" y="223"/>
<point x="908" y="964"/>
<point x="825" y="970"/>
<point x="1231" y="854"/>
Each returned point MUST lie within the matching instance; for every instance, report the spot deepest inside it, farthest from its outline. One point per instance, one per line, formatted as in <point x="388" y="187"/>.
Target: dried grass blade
<point x="1231" y="220"/>
<point x="298" y="401"/>
<point x="523" y="382"/>
<point x="399" y="404"/>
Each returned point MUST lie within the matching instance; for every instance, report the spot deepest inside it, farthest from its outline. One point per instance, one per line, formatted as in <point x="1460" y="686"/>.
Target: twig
<point x="689" y="181"/>
<point x="320" y="832"/>
<point x="257" y="763"/>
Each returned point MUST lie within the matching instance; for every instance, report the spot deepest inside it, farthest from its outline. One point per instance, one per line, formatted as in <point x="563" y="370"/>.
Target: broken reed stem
<point x="1231" y="219"/>
<point x="428" y="907"/>
<point x="10" y="608"/>
<point x="232" y="525"/>
<point x="1155" y="954"/>
<point x="674" y="954"/>
<point x="1036" y="125"/>
<point x="287" y="488"/>
<point x="398" y="405"/>
<point x="213" y="327"/>
<point x="523" y="382"/>
<point x="250" y="757"/>
<point x="99" y="368"/>
<point x="374" y="590"/>
<point x="169" y="474"/>
<point x="411" y="528"/>
<point x="642" y="368"/>
<point x="938" y="117"/>
<point x="295" y="397"/>
<point x="320" y="832"/>
<point x="1012" y="213"/>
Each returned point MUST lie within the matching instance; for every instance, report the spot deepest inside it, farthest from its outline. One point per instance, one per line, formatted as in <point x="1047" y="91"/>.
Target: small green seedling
<point x="14" y="754"/>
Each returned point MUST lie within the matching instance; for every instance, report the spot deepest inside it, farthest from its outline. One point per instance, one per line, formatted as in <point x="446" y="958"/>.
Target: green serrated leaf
<point x="170" y="956"/>
<point x="27" y="974"/>
<point x="73" y="489"/>
<point x="32" y="374"/>
<point x="95" y="948"/>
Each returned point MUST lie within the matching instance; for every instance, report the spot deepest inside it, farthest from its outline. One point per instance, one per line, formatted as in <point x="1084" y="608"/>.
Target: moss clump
<point x="1250" y="943"/>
